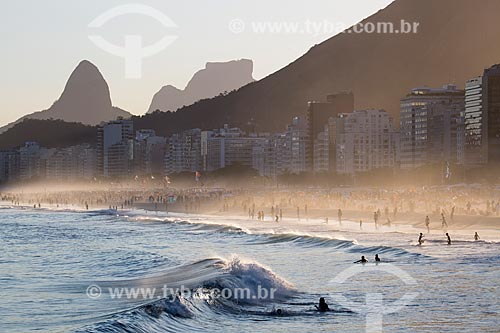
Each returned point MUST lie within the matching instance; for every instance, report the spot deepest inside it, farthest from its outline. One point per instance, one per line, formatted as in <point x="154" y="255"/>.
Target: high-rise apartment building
<point x="431" y="125"/>
<point x="72" y="163"/>
<point x="115" y="149"/>
<point x="183" y="152"/>
<point x="366" y="140"/>
<point x="9" y="165"/>
<point x="228" y="146"/>
<point x="318" y="115"/>
<point x="482" y="118"/>
<point x="149" y="153"/>
<point x="297" y="137"/>
<point x="29" y="155"/>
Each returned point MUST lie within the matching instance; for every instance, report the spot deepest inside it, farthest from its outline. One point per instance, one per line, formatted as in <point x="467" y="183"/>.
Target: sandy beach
<point x="465" y="211"/>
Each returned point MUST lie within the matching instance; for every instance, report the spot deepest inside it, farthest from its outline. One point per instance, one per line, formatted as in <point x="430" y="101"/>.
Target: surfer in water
<point x="377" y="258"/>
<point x="322" y="307"/>
<point x="362" y="260"/>
<point x="421" y="239"/>
<point x="476" y="236"/>
<point x="276" y="311"/>
<point x="449" y="238"/>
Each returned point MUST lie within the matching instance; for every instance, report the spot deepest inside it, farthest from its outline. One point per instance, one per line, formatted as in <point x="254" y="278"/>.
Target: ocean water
<point x="51" y="260"/>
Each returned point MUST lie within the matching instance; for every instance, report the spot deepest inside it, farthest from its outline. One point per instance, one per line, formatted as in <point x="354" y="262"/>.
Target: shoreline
<point x="416" y="220"/>
<point x="313" y="225"/>
<point x="296" y="209"/>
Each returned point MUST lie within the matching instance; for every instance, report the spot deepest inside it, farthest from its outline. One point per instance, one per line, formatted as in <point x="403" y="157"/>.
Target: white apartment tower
<point x="366" y="140"/>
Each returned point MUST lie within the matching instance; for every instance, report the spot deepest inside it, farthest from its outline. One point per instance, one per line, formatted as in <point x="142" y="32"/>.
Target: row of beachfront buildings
<point x="437" y="125"/>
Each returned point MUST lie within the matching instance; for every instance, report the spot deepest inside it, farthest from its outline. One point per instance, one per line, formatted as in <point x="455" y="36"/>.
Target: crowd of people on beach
<point x="438" y="204"/>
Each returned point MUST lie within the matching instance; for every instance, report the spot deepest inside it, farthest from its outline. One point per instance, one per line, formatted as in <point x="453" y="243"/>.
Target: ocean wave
<point x="394" y="251"/>
<point x="188" y="312"/>
<point x="101" y="212"/>
<point x="262" y="237"/>
<point x="215" y="273"/>
<point x="306" y="240"/>
<point x="268" y="238"/>
<point x="200" y="225"/>
<point x="194" y="226"/>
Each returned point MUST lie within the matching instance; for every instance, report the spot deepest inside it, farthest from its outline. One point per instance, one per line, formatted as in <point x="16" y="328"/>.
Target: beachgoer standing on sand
<point x="443" y="221"/>
<point x="427" y="223"/>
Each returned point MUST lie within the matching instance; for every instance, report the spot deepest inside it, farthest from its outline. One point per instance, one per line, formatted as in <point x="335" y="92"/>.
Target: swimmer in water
<point x="362" y="260"/>
<point x="377" y="258"/>
<point x="449" y="239"/>
<point x="322" y="307"/>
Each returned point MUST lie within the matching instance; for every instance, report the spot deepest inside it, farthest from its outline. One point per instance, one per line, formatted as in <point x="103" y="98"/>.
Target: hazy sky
<point x="43" y="41"/>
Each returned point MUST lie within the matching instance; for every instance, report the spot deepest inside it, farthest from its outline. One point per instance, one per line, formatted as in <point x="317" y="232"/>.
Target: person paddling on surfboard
<point x="322" y="307"/>
<point x="362" y="260"/>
